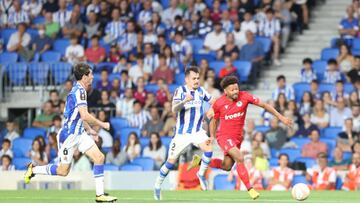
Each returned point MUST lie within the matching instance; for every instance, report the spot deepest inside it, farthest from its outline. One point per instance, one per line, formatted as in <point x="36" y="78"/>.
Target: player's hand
<point x="188" y="98"/>
<point x="106" y="125"/>
<point x="287" y="121"/>
<point x="92" y="132"/>
<point x="96" y="137"/>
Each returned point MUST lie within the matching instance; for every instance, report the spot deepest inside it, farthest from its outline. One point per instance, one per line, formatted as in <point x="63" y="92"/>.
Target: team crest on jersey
<point x="239" y="103"/>
<point x="226" y="106"/>
<point x="82" y="95"/>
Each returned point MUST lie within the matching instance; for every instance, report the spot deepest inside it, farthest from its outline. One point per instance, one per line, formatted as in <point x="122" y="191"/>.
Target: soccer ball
<point x="300" y="191"/>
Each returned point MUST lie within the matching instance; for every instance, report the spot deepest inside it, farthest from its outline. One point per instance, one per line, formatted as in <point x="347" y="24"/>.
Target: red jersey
<point x="232" y="114"/>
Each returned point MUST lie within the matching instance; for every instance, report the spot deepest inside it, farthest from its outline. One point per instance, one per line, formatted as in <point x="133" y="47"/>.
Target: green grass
<point x="51" y="196"/>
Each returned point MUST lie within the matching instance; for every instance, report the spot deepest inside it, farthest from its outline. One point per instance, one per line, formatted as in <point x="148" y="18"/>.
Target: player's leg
<point x="225" y="164"/>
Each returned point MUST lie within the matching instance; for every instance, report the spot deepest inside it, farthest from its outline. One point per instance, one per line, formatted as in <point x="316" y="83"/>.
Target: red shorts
<point x="226" y="143"/>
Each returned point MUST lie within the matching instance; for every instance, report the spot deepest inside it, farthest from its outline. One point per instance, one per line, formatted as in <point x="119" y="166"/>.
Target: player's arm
<point x="177" y="105"/>
<point x="90" y="119"/>
<point x="273" y="111"/>
<point x="213" y="127"/>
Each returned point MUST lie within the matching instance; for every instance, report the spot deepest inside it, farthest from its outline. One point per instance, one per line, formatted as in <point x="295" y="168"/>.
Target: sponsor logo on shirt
<point x="235" y="115"/>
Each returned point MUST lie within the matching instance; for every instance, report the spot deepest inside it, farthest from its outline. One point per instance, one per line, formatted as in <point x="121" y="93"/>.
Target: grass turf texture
<point x="52" y="196"/>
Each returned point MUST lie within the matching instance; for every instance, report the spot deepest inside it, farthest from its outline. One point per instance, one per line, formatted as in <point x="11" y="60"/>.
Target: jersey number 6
<point x="65" y="152"/>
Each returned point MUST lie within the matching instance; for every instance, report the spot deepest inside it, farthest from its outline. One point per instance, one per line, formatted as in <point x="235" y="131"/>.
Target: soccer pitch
<point x="174" y="196"/>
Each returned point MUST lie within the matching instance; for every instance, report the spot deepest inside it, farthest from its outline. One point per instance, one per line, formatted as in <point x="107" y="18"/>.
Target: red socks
<point x="243" y="174"/>
<point x="216" y="163"/>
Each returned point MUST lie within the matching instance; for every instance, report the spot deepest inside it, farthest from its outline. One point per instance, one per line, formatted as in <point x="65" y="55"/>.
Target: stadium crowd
<point x="149" y="42"/>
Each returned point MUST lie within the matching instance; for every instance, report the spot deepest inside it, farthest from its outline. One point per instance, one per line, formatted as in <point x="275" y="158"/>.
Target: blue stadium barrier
<point x="146" y="163"/>
<point x="299" y="179"/>
<point x="221" y="183"/>
<point x="50" y="56"/>
<point x="300" y="88"/>
<point x="179" y="78"/>
<point x="31" y="133"/>
<point x="60" y="45"/>
<point x="273" y="162"/>
<point x="299" y="141"/>
<point x="17" y="73"/>
<point x="309" y="162"/>
<point x="329" y="53"/>
<point x="262" y="128"/>
<point x="326" y="87"/>
<point x="61" y="72"/>
<point x="217" y="66"/>
<point x="319" y="67"/>
<point x="117" y="123"/>
<point x="21" y="163"/>
<point x="8" y="57"/>
<point x="38" y="20"/>
<point x="111" y="167"/>
<point x="6" y="33"/>
<point x="144" y="142"/>
<point x="331" y="132"/>
<point x="196" y="44"/>
<point x="152" y="88"/>
<point x="39" y="73"/>
<point x="266" y="42"/>
<point x="292" y="153"/>
<point x="131" y="167"/>
<point x="200" y="56"/>
<point x="21" y="147"/>
<point x="243" y="69"/>
<point x="125" y="132"/>
<point x="331" y="144"/>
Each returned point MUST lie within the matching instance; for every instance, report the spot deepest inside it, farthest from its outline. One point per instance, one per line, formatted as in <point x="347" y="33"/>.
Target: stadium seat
<point x="117" y="123"/>
<point x="292" y="153"/>
<point x="309" y="162"/>
<point x="50" y="56"/>
<point x="217" y="66"/>
<point x="221" y="183"/>
<point x="104" y="45"/>
<point x="207" y="56"/>
<point x="36" y="58"/>
<point x="273" y="162"/>
<point x="355" y="52"/>
<point x="125" y="132"/>
<point x="266" y="42"/>
<point x="166" y="141"/>
<point x="334" y="42"/>
<point x="17" y="73"/>
<point x="331" y="132"/>
<point x="8" y="57"/>
<point x="274" y="152"/>
<point x="131" y="167"/>
<point x="60" y="45"/>
<point x="114" y="76"/>
<point x="21" y="147"/>
<point x="105" y="150"/>
<point x="326" y="87"/>
<point x="31" y="133"/>
<point x="33" y="33"/>
<point x="348" y="88"/>
<point x="347" y="155"/>
<point x="165" y="3"/>
<point x="262" y="128"/>
<point x="39" y="73"/>
<point x="299" y="141"/>
<point x="111" y="167"/>
<point x="144" y="142"/>
<point x="329" y="53"/>
<point x="6" y="33"/>
<point x="151" y="88"/>
<point x="172" y="88"/>
<point x="355" y="44"/>
<point x="331" y="144"/>
<point x="299" y="179"/>
<point x="21" y="163"/>
<point x="243" y="69"/>
<point x="146" y="163"/>
<point x="338" y="183"/>
<point x="38" y="20"/>
<point x="300" y="88"/>
<point x="179" y="78"/>
<point x="196" y="44"/>
<point x="109" y="66"/>
<point x="61" y="72"/>
<point x="319" y="67"/>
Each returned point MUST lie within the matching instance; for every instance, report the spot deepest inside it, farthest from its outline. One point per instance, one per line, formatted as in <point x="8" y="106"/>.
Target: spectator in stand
<point x="354" y="74"/>
<point x="51" y="28"/>
<point x="292" y="112"/>
<point x="163" y="94"/>
<point x="74" y="26"/>
<point x="339" y="91"/>
<point x="51" y="148"/>
<point x="107" y="139"/>
<point x="340" y="113"/>
<point x="306" y="103"/>
<point x="132" y="148"/>
<point x="205" y="25"/>
<point x="163" y="71"/>
<point x="260" y="138"/>
<point x="169" y="14"/>
<point x="124" y="106"/>
<point x="276" y="136"/>
<point x="182" y="49"/>
<point x="95" y="54"/>
<point x="62" y="15"/>
<point x="116" y="156"/>
<point x="282" y="175"/>
<point x="42" y="42"/>
<point x="140" y="69"/>
<point x="329" y="103"/>
<point x="281" y="103"/>
<point x="56" y="125"/>
<point x="11" y="130"/>
<point x="270" y="27"/>
<point x="104" y="15"/>
<point x="93" y="97"/>
<point x="229" y="49"/>
<point x="177" y="27"/>
<point x="352" y="180"/>
<point x="159" y="26"/>
<point x="105" y="104"/>
<point x="248" y="24"/>
<point x="283" y="88"/>
<point x="345" y="59"/>
<point x="307" y="72"/>
<point x="150" y="36"/>
<point x="55" y="100"/>
<point x="139" y="116"/>
<point x="37" y="153"/>
<point x="239" y="34"/>
<point x="104" y="83"/>
<point x="74" y="53"/>
<point x="20" y="40"/>
<point x="121" y="65"/>
<point x="322" y="176"/>
<point x="155" y="124"/>
<point x="128" y="40"/>
<point x="216" y="11"/>
<point x="155" y="150"/>
<point x="92" y="28"/>
<point x="32" y="8"/>
<point x="314" y="89"/>
<point x="6" y="148"/>
<point x="282" y="12"/>
<point x="81" y="162"/>
<point x="307" y="127"/>
<point x="171" y="61"/>
<point x="44" y="120"/>
<point x="7" y="6"/>
<point x="125" y="81"/>
<point x="338" y="162"/>
<point x="229" y="69"/>
<point x="151" y="59"/>
<point x="210" y="87"/>
<point x="332" y="74"/>
<point x="169" y="124"/>
<point x="348" y="136"/>
<point x="93" y="7"/>
<point x="355" y="115"/>
<point x="115" y="28"/>
<point x="17" y="15"/>
<point x="353" y="99"/>
<point x="313" y="148"/>
<point x="226" y="22"/>
<point x="6" y="163"/>
<point x="145" y="14"/>
<point x="140" y="92"/>
<point x="349" y="26"/>
<point x="217" y="36"/>
<point x="114" y="55"/>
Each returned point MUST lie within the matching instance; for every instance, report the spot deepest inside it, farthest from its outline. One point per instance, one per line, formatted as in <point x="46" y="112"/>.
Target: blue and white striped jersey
<point x="72" y="123"/>
<point x="189" y="118"/>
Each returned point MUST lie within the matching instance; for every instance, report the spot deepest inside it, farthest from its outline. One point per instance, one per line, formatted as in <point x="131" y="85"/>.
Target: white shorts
<point x="81" y="142"/>
<point x="181" y="141"/>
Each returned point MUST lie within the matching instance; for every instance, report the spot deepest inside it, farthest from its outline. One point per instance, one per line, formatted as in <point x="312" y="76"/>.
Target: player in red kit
<point x="229" y="112"/>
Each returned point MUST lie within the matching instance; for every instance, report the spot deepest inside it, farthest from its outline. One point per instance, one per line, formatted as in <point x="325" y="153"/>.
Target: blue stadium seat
<point x="262" y="128"/>
<point x="329" y="53"/>
<point x="21" y="147"/>
<point x="32" y="32"/>
<point x="292" y="153"/>
<point x="333" y="42"/>
<point x="355" y="43"/>
<point x="319" y="67"/>
<point x="179" y="78"/>
<point x="172" y="88"/>
<point x="60" y="45"/>
<point x="221" y="183"/>
<point x="347" y="155"/>
<point x="326" y="87"/>
<point x="61" y="72"/>
<point x="166" y="141"/>
<point x="104" y="45"/>
<point x="338" y="183"/>
<point x="151" y="88"/>
<point x="38" y="20"/>
<point x="196" y="44"/>
<point x="36" y="58"/>
<point x="299" y="179"/>
<point x="21" y="163"/>
<point x="17" y="73"/>
<point x="355" y="52"/>
<point x="113" y="76"/>
<point x="309" y="162"/>
<point x="199" y="56"/>
<point x="124" y="134"/>
<point x="217" y="66"/>
<point x="273" y="162"/>
<point x="299" y="141"/>
<point x="331" y="132"/>
<point x="165" y="3"/>
<point x="274" y="152"/>
<point x="131" y="167"/>
<point x="243" y="69"/>
<point x="348" y="87"/>
<point x="109" y="66"/>
<point x="8" y="57"/>
<point x="331" y="144"/>
<point x="31" y="133"/>
<point x="266" y="42"/>
<point x="300" y="88"/>
<point x="50" y="56"/>
<point x="111" y="167"/>
<point x="117" y="123"/>
<point x="97" y="78"/>
<point x="144" y="142"/>
<point x="146" y="163"/>
<point x="105" y="150"/>
<point x="39" y="73"/>
<point x="6" y="33"/>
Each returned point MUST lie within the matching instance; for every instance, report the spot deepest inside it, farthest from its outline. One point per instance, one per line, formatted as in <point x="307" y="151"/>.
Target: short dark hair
<point x="315" y="81"/>
<point x="322" y="155"/>
<point x="56" y="118"/>
<point x="162" y="56"/>
<point x="95" y="37"/>
<point x="339" y="81"/>
<point x="7" y="156"/>
<point x="228" y="80"/>
<point x="136" y="102"/>
<point x="80" y="70"/>
<point x="7" y="141"/>
<point x="178" y="33"/>
<point x="270" y="10"/>
<point x="140" y="56"/>
<point x="189" y="69"/>
<point x="307" y="60"/>
<point x="280" y="77"/>
<point x="178" y="17"/>
<point x="53" y="91"/>
<point x="283" y="154"/>
<point x="126" y="72"/>
<point x="332" y="62"/>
